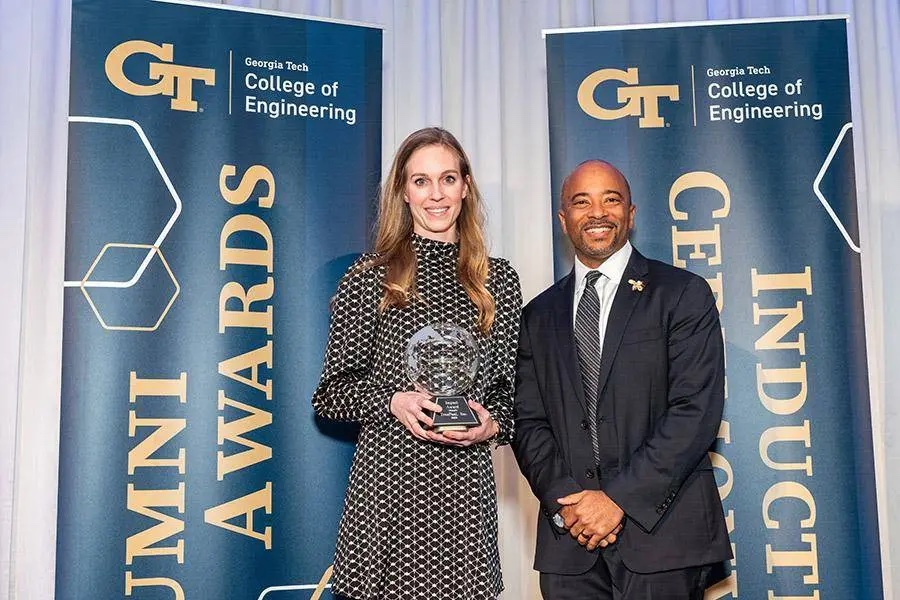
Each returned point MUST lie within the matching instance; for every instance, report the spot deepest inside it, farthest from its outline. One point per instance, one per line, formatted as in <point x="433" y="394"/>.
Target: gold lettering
<point x="771" y="339"/>
<point x="229" y="255"/>
<point x="696" y="239"/>
<point x="586" y="94"/>
<point x="637" y="101"/>
<point x="788" y="489"/>
<point x="115" y="68"/>
<point x="781" y="281"/>
<point x="716" y="285"/>
<point x="787" y="433"/>
<point x="725" y="588"/>
<point x="724" y="433"/>
<point x="182" y="77"/>
<point x="796" y="558"/>
<point x="793" y="376"/>
<point x="131" y="582"/>
<point x="244" y="506"/>
<point x="232" y="367"/>
<point x="323" y="583"/>
<point x="233" y="431"/>
<point x="157" y="387"/>
<point x="720" y="462"/>
<point x="646" y="98"/>
<point x="729" y="526"/>
<point x="245" y="317"/>
<point x="140" y="501"/>
<point x="166" y="429"/>
<point x="172" y="80"/>
<point x="700" y="179"/>
<point x="242" y="193"/>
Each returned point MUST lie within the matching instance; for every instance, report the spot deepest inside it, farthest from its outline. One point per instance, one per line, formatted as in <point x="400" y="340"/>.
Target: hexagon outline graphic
<point x="168" y="183"/>
<point x="151" y="251"/>
<point x="825" y="204"/>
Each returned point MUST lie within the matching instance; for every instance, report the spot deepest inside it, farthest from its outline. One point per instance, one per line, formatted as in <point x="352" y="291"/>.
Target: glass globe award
<point x="443" y="359"/>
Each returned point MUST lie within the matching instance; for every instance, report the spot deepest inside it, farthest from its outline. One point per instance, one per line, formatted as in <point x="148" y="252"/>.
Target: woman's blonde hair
<point x="393" y="242"/>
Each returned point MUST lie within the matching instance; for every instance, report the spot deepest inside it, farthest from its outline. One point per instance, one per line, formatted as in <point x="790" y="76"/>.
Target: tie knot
<point x="592" y="277"/>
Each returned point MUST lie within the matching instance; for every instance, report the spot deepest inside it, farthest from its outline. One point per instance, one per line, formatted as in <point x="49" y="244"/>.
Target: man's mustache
<point x="598" y="223"/>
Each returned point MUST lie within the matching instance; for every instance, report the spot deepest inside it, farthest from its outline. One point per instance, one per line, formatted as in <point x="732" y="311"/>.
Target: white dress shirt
<point x="613" y="269"/>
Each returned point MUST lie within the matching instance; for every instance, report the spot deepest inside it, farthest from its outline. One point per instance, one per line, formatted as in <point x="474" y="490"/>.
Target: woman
<point x="420" y="516"/>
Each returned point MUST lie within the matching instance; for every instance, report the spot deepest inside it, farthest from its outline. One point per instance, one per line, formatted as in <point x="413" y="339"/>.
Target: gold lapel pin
<point x="636" y="285"/>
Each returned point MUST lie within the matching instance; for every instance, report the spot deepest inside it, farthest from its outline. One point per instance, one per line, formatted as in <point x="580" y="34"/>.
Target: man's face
<point x="596" y="212"/>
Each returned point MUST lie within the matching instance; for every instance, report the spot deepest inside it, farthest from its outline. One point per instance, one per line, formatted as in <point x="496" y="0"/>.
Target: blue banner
<point x="737" y="141"/>
<point x="222" y="167"/>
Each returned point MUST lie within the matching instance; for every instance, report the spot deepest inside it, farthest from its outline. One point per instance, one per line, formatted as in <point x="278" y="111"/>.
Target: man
<point x="620" y="391"/>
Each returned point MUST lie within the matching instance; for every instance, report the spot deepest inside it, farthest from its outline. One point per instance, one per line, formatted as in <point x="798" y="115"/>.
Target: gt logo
<point x="636" y="100"/>
<point x="176" y="81"/>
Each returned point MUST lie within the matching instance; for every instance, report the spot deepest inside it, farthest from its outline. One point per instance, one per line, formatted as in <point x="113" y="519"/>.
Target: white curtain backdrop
<point x="476" y="67"/>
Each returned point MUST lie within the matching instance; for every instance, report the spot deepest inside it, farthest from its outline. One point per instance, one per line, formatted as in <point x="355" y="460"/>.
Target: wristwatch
<point x="558" y="520"/>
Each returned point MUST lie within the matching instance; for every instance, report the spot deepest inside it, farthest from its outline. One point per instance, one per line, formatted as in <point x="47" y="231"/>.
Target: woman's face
<point x="434" y="190"/>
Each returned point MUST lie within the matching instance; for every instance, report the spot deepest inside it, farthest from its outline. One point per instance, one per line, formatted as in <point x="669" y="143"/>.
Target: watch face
<point x="558" y="521"/>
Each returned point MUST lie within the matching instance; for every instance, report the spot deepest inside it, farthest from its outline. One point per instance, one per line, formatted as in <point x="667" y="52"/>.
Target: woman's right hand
<point x="409" y="408"/>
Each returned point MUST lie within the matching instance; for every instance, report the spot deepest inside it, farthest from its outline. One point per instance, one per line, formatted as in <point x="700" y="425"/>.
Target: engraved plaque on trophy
<point x="443" y="359"/>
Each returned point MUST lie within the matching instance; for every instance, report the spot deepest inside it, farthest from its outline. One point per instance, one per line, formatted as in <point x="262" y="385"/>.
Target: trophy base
<point x="456" y="414"/>
<point x="444" y="428"/>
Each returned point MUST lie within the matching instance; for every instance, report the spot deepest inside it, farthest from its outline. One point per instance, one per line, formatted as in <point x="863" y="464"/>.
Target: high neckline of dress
<point x="424" y="245"/>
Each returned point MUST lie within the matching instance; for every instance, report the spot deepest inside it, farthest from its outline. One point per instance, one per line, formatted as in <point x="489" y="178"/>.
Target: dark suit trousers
<point x="609" y="579"/>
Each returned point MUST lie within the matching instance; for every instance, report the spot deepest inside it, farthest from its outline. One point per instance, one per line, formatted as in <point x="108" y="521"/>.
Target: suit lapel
<point x="563" y="317"/>
<point x="623" y="305"/>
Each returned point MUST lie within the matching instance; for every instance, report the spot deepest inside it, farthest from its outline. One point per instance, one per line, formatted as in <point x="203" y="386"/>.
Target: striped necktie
<point x="587" y="339"/>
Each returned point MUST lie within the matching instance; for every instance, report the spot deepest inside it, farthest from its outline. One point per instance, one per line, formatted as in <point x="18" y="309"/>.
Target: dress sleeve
<point x="500" y="390"/>
<point x="349" y="389"/>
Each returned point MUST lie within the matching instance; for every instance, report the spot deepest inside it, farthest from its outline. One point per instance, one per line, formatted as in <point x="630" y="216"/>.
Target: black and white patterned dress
<point x="420" y="518"/>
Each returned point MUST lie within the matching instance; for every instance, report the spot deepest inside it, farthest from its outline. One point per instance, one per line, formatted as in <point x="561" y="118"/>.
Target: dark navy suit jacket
<point x="662" y="387"/>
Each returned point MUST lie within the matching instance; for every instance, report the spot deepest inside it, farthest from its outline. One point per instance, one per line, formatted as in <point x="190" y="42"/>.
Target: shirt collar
<point x="613" y="267"/>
